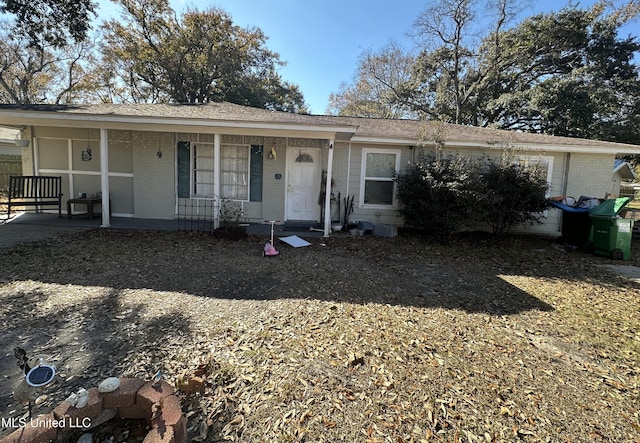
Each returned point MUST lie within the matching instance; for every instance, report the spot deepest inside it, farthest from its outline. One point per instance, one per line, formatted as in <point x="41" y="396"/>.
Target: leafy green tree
<point x="51" y="22"/>
<point x="151" y="55"/>
<point x="566" y="73"/>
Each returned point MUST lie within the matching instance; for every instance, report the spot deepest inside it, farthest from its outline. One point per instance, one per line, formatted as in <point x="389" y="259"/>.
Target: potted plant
<point x="230" y="227"/>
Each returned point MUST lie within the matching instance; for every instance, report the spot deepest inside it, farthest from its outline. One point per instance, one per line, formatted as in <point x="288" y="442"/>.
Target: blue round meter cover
<point x="40" y="375"/>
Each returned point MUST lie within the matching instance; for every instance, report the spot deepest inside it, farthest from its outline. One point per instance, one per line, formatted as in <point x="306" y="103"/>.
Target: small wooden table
<point x="89" y="202"/>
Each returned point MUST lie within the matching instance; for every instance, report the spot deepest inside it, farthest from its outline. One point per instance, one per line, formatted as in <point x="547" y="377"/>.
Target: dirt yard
<point x="349" y="339"/>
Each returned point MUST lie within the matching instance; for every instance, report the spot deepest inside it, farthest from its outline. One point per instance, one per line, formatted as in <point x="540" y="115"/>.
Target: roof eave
<point x="34" y="118"/>
<point x="384" y="140"/>
<point x="626" y="171"/>
<point x="612" y="148"/>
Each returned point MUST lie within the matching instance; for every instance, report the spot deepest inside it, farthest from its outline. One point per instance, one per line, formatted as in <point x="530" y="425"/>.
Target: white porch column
<point x="217" y="140"/>
<point x="327" y="191"/>
<point x="104" y="177"/>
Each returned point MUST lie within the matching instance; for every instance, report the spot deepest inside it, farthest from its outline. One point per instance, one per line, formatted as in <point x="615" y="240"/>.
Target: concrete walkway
<point x="629" y="271"/>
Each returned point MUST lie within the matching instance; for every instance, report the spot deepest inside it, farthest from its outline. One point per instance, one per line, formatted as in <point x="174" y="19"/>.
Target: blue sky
<point x="321" y="40"/>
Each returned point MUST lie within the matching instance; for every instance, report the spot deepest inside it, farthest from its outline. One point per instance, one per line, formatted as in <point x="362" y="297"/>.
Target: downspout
<point x="565" y="173"/>
<point x="104" y="177"/>
<point x="35" y="158"/>
<point x="348" y="170"/>
<point x="327" y="192"/>
<point x="217" y="141"/>
<point x="565" y="182"/>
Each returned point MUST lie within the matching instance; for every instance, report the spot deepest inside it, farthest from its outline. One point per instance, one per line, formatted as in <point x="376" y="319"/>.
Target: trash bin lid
<point x="609" y="208"/>
<point x="567" y="208"/>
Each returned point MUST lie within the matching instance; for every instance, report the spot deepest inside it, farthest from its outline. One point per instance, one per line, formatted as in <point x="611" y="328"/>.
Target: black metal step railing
<point x="198" y="214"/>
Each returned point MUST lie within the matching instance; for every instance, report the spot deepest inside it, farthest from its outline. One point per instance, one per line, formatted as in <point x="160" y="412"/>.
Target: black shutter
<point x="184" y="162"/>
<point x="255" y="173"/>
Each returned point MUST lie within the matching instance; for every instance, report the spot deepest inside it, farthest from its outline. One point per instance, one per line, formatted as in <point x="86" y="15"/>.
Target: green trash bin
<point x="611" y="235"/>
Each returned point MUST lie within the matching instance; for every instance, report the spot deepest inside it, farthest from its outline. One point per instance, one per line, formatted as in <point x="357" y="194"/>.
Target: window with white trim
<point x="234" y="172"/>
<point x="544" y="163"/>
<point x="203" y="166"/>
<point x="377" y="184"/>
<point x="240" y="171"/>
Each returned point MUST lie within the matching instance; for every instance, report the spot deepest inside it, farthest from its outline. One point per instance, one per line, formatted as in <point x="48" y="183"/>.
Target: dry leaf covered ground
<point x="349" y="339"/>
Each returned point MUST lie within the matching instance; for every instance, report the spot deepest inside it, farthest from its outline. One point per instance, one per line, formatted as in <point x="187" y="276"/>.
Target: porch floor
<point x="49" y="221"/>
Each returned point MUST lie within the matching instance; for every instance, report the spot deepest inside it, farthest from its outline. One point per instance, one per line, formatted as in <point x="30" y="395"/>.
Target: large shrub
<point x="514" y="194"/>
<point x="444" y="194"/>
<point x="439" y="194"/>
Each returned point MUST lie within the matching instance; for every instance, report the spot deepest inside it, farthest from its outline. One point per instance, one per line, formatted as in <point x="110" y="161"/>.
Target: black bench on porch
<point x="36" y="190"/>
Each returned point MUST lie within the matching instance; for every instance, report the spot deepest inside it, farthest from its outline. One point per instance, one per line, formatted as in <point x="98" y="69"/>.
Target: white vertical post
<point x="104" y="177"/>
<point x="327" y="191"/>
<point x="217" y="140"/>
<point x="35" y="161"/>
<point x="72" y="187"/>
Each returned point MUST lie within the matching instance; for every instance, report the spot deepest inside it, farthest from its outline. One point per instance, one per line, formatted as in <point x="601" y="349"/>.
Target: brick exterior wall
<point x="590" y="175"/>
<point x="151" y="192"/>
<point x="154" y="181"/>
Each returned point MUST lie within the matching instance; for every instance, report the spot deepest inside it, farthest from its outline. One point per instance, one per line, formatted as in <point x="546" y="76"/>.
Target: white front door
<point x="304" y="174"/>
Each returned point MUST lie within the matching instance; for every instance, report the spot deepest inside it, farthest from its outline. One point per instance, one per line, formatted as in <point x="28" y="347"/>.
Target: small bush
<point x="230" y="213"/>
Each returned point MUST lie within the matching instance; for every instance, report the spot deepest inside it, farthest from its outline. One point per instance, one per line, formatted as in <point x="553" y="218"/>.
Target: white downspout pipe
<point x="104" y="177"/>
<point x="327" y="192"/>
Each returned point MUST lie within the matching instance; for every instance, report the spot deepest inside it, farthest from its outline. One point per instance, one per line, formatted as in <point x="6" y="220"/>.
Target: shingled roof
<point x="353" y="128"/>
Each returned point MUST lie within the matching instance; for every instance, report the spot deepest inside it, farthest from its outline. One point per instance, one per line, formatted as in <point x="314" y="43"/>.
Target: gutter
<point x="610" y="148"/>
<point x="134" y="122"/>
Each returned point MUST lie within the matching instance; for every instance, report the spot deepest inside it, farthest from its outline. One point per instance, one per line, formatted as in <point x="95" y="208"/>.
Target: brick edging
<point x="134" y="399"/>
